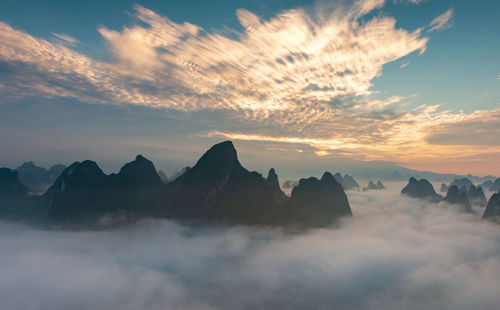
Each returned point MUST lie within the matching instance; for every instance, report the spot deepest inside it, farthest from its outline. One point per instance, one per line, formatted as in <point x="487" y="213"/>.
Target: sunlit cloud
<point x="307" y="76"/>
<point x="443" y="21"/>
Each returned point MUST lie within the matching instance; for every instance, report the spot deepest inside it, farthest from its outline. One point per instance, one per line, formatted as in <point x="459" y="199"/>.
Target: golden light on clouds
<point x="308" y="76"/>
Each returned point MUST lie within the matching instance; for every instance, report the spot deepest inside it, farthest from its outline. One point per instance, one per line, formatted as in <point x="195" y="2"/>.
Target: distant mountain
<point x="373" y="186"/>
<point x="462" y="182"/>
<point x="492" y="211"/>
<point x="496" y="186"/>
<point x="346" y="181"/>
<point x="37" y="178"/>
<point x="459" y="197"/>
<point x="476" y="196"/>
<point x="421" y="189"/>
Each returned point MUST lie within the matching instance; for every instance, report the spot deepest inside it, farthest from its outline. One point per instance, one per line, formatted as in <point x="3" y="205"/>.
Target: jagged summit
<point x="217" y="162"/>
<point x="272" y="179"/>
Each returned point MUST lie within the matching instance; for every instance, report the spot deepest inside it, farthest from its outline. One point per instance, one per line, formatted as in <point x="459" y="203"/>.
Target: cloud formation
<point x="307" y="77"/>
<point x="443" y="21"/>
<point x="394" y="253"/>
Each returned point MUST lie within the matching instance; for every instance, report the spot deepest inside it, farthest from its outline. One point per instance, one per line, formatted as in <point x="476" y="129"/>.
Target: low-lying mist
<point x="394" y="253"/>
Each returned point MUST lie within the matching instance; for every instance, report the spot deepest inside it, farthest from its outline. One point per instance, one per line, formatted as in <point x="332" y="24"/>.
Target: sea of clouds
<point x="394" y="253"/>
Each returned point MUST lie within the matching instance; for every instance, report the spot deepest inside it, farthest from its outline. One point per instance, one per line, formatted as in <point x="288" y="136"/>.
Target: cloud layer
<point x="394" y="253"/>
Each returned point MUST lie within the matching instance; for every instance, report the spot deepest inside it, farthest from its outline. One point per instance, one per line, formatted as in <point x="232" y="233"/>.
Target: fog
<point x="394" y="253"/>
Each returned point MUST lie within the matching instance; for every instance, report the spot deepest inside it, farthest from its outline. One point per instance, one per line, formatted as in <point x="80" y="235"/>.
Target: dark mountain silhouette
<point x="476" y="196"/>
<point x="273" y="181"/>
<point x="492" y="211"/>
<point x="139" y="173"/>
<point x="15" y="198"/>
<point x="373" y="186"/>
<point x="81" y="190"/>
<point x="444" y="188"/>
<point x="347" y="181"/>
<point x="317" y="202"/>
<point x="36" y="178"/>
<point x="459" y="197"/>
<point x="421" y="189"/>
<point x="218" y="187"/>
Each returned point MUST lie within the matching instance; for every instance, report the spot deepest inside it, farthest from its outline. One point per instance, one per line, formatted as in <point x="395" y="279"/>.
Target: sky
<point x="292" y="83"/>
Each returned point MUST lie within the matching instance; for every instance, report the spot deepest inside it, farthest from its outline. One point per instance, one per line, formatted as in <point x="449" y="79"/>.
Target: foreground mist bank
<point x="394" y="253"/>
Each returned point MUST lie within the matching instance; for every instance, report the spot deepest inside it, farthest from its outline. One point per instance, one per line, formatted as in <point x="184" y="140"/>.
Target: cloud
<point x="443" y="21"/>
<point x="65" y="38"/>
<point x="409" y="1"/>
<point x="394" y="253"/>
<point x="305" y="77"/>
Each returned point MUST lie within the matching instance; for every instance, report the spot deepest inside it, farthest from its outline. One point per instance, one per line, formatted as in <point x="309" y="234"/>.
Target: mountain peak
<point x="140" y="172"/>
<point x="218" y="161"/>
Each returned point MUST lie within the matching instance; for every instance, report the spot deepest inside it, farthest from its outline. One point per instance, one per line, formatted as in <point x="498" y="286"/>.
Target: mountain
<point x="492" y="211"/>
<point x="476" y="196"/>
<point x="218" y="188"/>
<point x="373" y="186"/>
<point x="496" y="186"/>
<point x="421" y="189"/>
<point x="462" y="182"/>
<point x="459" y="197"/>
<point x="273" y="181"/>
<point x="15" y="198"/>
<point x="316" y="202"/>
<point x="81" y="190"/>
<point x="37" y="178"/>
<point x="347" y="181"/>
<point x="380" y="185"/>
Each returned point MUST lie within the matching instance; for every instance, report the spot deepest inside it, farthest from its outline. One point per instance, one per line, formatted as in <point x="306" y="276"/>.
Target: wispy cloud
<point x="443" y="21"/>
<point x="64" y="38"/>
